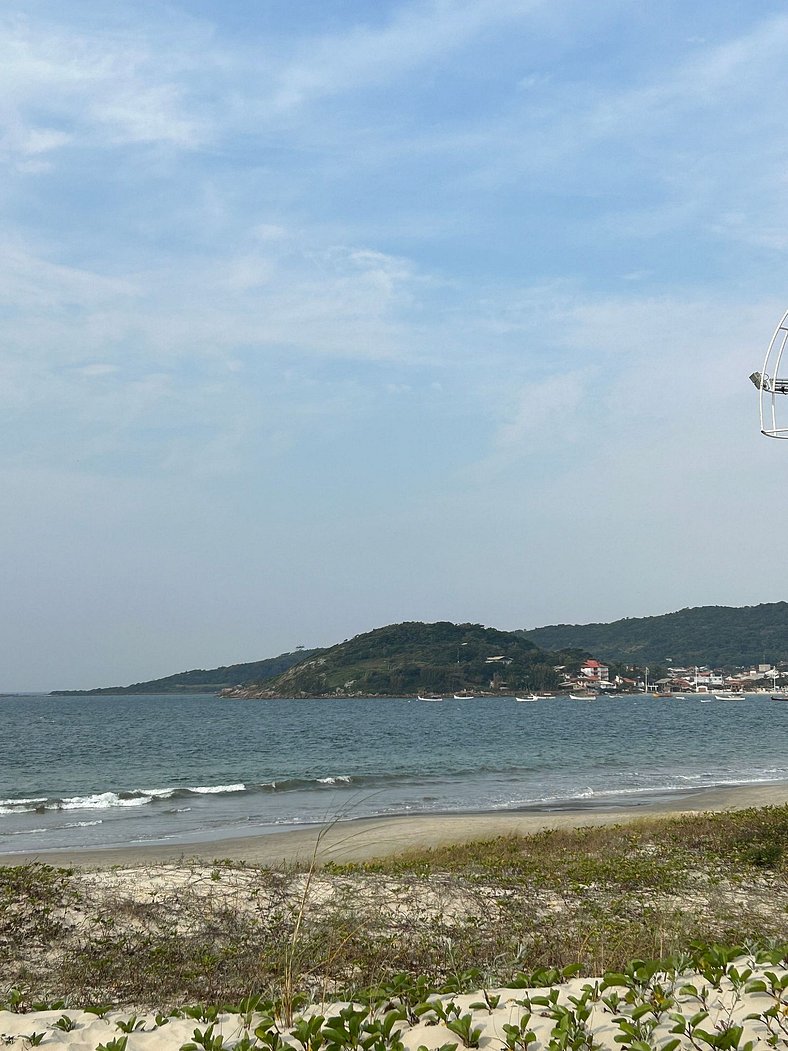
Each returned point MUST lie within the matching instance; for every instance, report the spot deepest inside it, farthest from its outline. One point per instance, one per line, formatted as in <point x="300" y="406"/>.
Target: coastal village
<point x="594" y="675"/>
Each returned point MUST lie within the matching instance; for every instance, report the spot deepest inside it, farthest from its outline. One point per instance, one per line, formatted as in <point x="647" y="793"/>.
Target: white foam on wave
<point x="708" y="778"/>
<point x="99" y="801"/>
<point x="342" y="779"/>
<point x="82" y="824"/>
<point x="690" y="781"/>
<point x="168" y="793"/>
<point x="106" y="800"/>
<point x="741" y="781"/>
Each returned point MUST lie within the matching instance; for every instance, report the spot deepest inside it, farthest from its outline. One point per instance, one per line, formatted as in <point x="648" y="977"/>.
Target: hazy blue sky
<point x="325" y="314"/>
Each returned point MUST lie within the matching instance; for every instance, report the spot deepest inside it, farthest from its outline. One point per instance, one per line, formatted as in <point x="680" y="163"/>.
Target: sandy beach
<point x="700" y="1007"/>
<point x="170" y="892"/>
<point x="365" y="838"/>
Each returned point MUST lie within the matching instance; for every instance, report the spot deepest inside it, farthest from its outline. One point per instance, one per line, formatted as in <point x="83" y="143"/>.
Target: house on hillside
<point x="624" y="684"/>
<point x="593" y="671"/>
<point x="706" y="680"/>
<point x="681" y="684"/>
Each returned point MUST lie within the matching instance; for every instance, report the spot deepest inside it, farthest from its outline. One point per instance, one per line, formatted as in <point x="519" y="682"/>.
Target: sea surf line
<point x="117" y="770"/>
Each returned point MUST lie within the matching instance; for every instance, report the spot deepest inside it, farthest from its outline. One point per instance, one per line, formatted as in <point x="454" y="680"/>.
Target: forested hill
<point x="718" y="636"/>
<point x="409" y="658"/>
<point x="212" y="681"/>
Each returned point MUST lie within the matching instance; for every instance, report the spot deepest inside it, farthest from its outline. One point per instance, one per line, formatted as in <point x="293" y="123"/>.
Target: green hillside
<point x="411" y="658"/>
<point x="200" y="681"/>
<point x="719" y="636"/>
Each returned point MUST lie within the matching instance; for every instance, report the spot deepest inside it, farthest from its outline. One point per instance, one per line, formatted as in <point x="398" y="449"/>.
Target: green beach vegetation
<point x="508" y="911"/>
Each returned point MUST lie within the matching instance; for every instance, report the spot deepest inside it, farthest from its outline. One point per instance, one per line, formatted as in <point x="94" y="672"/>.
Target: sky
<point x="325" y="315"/>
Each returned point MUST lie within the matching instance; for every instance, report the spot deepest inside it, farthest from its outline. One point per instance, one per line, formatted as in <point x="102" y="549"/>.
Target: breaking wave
<point x="144" y="796"/>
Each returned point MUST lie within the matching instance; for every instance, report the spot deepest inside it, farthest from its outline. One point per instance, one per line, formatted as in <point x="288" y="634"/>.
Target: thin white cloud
<point x="41" y="140"/>
<point x="719" y="77"/>
<point x="658" y="152"/>
<point x="143" y="114"/>
<point x="96" y="369"/>
<point x="657" y="367"/>
<point x="59" y="84"/>
<point x="339" y="299"/>
<point x="544" y="412"/>
<point x="170" y="81"/>
<point x="29" y="281"/>
<point x="417" y="33"/>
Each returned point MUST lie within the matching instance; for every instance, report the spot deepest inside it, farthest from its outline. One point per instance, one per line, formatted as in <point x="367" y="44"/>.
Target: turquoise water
<point x="100" y="771"/>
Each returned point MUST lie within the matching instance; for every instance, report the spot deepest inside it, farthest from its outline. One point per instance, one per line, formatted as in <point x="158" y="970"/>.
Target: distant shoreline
<point x="361" y="839"/>
<point x="234" y="693"/>
<point x="126" y="691"/>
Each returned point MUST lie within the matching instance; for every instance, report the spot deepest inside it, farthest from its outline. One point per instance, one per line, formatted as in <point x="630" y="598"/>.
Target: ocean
<point x="122" y="770"/>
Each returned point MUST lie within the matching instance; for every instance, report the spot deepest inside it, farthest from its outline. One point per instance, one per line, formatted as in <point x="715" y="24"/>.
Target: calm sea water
<point x="101" y="771"/>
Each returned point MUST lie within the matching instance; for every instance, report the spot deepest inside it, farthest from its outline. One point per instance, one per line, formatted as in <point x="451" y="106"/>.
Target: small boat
<point x="464" y="697"/>
<point x="530" y="697"/>
<point x="583" y="696"/>
<point x="729" y="695"/>
<point x="429" y="697"/>
<point x="779" y="696"/>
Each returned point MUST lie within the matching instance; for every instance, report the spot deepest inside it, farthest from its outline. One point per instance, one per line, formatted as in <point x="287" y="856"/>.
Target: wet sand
<point x="365" y="838"/>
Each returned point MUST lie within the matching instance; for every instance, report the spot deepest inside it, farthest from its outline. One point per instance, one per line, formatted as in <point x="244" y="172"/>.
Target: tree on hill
<point x="719" y="636"/>
<point x="199" y="680"/>
<point x="413" y="657"/>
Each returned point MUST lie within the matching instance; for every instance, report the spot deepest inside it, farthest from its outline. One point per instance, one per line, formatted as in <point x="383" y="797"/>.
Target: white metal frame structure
<point x="769" y="383"/>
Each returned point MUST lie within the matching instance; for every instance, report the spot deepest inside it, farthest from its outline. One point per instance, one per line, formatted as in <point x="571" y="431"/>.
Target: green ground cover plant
<point x="712" y="997"/>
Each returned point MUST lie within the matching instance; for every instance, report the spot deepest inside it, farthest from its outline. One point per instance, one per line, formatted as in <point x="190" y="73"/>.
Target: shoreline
<point x="362" y="839"/>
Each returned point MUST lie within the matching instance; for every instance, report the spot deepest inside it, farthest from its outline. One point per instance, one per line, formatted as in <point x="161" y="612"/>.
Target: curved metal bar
<point x="771" y="385"/>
